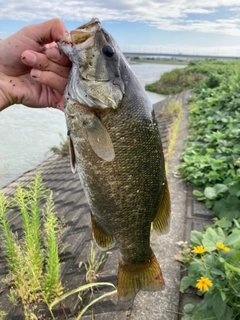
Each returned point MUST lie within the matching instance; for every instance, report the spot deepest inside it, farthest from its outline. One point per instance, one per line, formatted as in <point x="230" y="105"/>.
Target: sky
<point x="173" y="26"/>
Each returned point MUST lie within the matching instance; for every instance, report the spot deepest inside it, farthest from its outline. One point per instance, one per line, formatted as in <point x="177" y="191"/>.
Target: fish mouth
<point x="83" y="36"/>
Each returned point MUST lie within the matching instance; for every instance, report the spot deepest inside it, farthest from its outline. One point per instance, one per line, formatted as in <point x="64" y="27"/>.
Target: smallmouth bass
<point x="115" y="147"/>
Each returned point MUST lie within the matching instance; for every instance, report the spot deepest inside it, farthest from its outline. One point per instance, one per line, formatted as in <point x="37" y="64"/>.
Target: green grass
<point x="196" y="72"/>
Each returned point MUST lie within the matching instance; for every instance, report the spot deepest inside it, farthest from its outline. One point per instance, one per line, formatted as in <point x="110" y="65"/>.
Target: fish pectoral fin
<point x="103" y="238"/>
<point x="99" y="139"/>
<point x="162" y="218"/>
<point x="146" y="276"/>
<point x="72" y="156"/>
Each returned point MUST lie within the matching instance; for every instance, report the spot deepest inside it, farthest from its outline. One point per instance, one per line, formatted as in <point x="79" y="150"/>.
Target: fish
<point x="116" y="149"/>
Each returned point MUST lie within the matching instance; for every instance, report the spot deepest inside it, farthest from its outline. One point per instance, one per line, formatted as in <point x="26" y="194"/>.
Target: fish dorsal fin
<point x="99" y="138"/>
<point x="72" y="156"/>
<point x="161" y="220"/>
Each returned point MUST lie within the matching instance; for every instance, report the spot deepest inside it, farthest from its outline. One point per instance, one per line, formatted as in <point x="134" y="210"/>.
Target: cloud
<point x="173" y="15"/>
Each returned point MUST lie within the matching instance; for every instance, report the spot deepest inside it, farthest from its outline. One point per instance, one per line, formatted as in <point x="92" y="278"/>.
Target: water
<point x="27" y="134"/>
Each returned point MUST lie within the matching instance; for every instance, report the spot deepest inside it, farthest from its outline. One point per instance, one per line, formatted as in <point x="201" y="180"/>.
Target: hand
<point x="32" y="70"/>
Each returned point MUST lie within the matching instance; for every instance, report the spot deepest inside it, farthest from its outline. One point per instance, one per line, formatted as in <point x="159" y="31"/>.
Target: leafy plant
<point x="93" y="265"/>
<point x="33" y="263"/>
<point x="214" y="268"/>
<point x="62" y="149"/>
<point x="211" y="159"/>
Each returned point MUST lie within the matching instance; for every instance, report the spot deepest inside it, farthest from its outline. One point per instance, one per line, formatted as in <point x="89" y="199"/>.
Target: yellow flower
<point x="204" y="283"/>
<point x="222" y="246"/>
<point x="199" y="249"/>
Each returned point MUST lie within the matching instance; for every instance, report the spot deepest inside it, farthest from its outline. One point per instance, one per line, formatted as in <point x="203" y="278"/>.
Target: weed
<point x="34" y="268"/>
<point x="63" y="149"/>
<point x="175" y="111"/>
<point x="92" y="266"/>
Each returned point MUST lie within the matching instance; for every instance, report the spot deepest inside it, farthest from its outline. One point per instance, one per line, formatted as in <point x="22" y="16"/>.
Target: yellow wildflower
<point x="222" y="246"/>
<point x="199" y="249"/>
<point x="204" y="283"/>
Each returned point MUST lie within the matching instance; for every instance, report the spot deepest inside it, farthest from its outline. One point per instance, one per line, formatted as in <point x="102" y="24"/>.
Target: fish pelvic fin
<point x="162" y="218"/>
<point x="102" y="238"/>
<point x="146" y="276"/>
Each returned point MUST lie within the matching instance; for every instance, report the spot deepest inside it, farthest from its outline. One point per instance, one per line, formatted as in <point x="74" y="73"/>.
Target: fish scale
<point x="116" y="149"/>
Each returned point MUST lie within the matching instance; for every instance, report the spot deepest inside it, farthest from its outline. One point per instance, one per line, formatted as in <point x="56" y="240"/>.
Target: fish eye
<point x="108" y="51"/>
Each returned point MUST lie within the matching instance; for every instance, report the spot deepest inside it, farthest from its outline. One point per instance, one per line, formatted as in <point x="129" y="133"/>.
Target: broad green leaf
<point x="224" y="223"/>
<point x="210" y="193"/>
<point x="217" y="272"/>
<point x="211" y="237"/>
<point x="187" y="282"/>
<point x="196" y="238"/>
<point x="220" y="188"/>
<point x="227" y="314"/>
<point x="206" y="314"/>
<point x="219" y="306"/>
<point x="195" y="269"/>
<point x="234" y="189"/>
<point x="233" y="240"/>
<point x="235" y="259"/>
<point x="188" y="308"/>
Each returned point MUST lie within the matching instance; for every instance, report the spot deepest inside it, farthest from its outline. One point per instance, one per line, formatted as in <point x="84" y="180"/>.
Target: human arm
<point x="38" y="82"/>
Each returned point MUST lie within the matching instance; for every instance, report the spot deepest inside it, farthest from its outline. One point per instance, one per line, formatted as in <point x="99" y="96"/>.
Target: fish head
<point x="95" y="79"/>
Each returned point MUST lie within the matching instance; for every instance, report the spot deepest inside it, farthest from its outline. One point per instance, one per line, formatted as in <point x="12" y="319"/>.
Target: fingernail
<point x="35" y="73"/>
<point x="29" y="58"/>
<point x="53" y="53"/>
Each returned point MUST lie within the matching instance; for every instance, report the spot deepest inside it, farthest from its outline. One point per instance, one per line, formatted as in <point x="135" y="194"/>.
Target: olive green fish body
<point x="118" y="154"/>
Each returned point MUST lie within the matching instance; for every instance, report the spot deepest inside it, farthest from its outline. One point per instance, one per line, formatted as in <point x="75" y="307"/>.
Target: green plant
<point x="175" y="111"/>
<point x="211" y="159"/>
<point x="2" y="315"/>
<point x="89" y="286"/>
<point x="93" y="265"/>
<point x="33" y="264"/>
<point x="196" y="75"/>
<point x="63" y="149"/>
<point x="211" y="163"/>
<point x="214" y="268"/>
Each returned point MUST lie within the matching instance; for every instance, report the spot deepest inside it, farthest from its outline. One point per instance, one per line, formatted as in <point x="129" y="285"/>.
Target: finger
<point x="53" y="53"/>
<point x="40" y="61"/>
<point x="46" y="32"/>
<point x="49" y="79"/>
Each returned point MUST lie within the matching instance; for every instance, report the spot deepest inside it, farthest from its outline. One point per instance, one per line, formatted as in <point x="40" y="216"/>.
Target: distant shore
<point x="158" y="61"/>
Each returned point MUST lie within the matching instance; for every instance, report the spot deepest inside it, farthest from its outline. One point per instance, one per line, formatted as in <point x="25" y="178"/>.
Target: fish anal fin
<point x="72" y="156"/>
<point x="102" y="238"/>
<point x="146" y="276"/>
<point x="162" y="218"/>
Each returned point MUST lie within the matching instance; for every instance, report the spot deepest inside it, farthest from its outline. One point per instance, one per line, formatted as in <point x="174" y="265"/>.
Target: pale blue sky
<point x="186" y="26"/>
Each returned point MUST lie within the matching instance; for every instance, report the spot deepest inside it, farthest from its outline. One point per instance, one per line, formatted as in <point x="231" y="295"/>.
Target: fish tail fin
<point x="146" y="276"/>
<point x="103" y="238"/>
<point x="161" y="220"/>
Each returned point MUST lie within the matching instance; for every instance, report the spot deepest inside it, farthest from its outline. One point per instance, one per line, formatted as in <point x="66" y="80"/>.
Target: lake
<point x="26" y="134"/>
